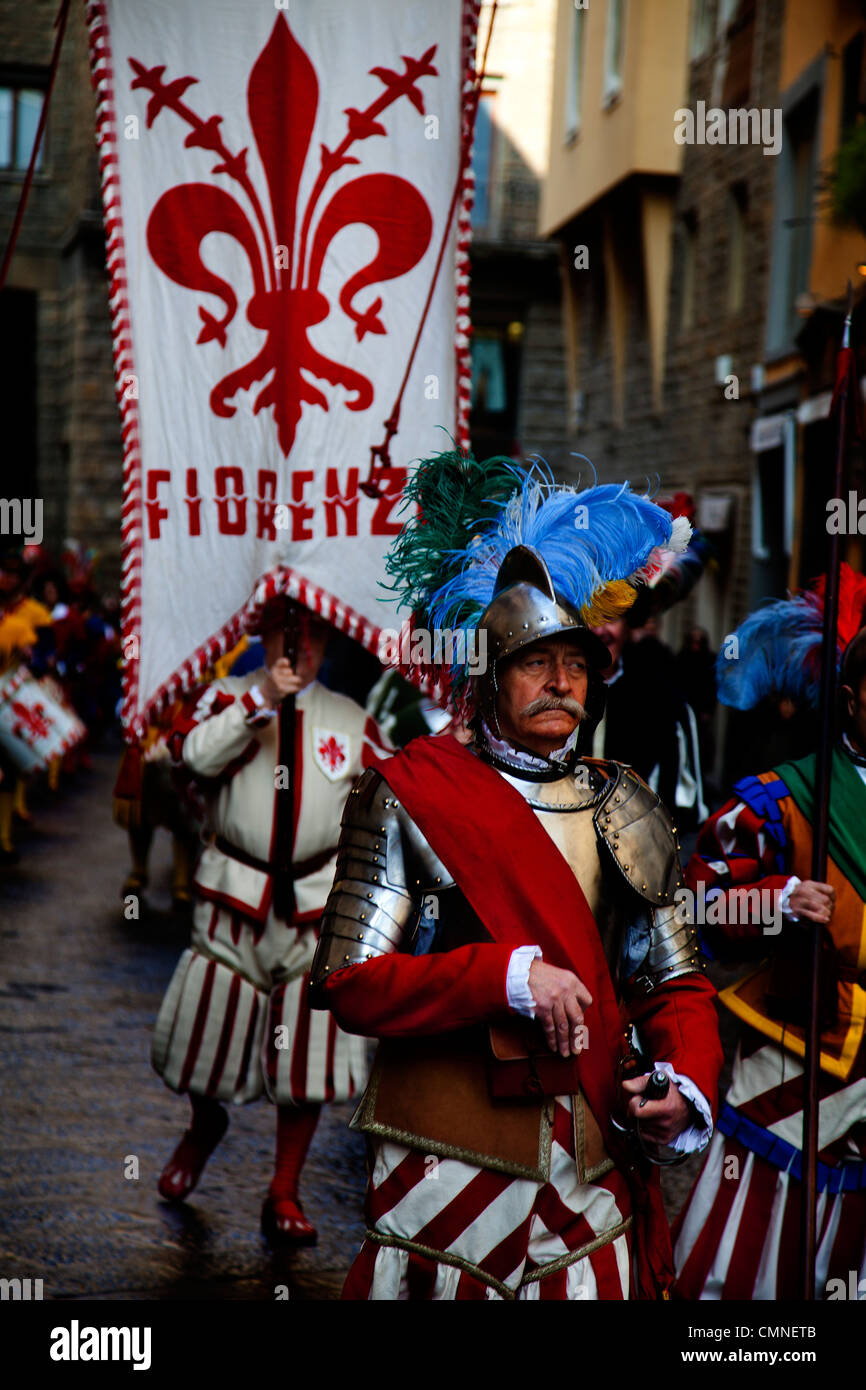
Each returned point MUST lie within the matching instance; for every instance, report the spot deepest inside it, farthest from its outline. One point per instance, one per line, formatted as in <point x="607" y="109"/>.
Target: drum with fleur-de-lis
<point x="73" y="729"/>
<point x="34" y="725"/>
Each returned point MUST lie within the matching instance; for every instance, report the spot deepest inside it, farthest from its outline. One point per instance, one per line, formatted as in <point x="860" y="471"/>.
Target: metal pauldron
<point x="384" y="869"/>
<point x="640" y="837"/>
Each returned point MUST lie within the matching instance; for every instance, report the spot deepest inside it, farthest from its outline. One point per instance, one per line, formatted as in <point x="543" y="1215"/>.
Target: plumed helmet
<point x="526" y="608"/>
<point x="499" y="550"/>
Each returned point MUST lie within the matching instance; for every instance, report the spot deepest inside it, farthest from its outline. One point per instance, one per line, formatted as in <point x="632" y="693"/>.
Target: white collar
<point x="532" y="762"/>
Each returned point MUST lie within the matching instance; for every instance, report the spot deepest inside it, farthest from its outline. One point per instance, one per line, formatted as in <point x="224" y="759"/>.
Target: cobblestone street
<point x="79" y="990"/>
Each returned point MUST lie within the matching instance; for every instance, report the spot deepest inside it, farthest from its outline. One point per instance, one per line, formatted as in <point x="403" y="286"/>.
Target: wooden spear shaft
<point x="823" y="770"/>
<point x="284" y="894"/>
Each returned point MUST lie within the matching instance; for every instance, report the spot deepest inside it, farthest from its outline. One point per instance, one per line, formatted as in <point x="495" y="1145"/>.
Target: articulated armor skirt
<point x="235" y="1021"/>
<point x="443" y="1229"/>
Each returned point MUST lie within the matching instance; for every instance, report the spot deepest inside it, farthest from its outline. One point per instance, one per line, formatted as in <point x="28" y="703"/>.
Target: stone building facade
<point x="722" y="256"/>
<point x="57" y="380"/>
<point x="519" y="358"/>
<point x="669" y="316"/>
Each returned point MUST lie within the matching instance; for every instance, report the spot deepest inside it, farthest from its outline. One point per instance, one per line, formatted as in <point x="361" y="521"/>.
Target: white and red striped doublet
<point x="472" y="1233"/>
<point x="235" y="1021"/>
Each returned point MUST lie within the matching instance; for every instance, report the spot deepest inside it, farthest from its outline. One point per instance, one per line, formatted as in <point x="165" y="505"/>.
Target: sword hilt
<point x="657" y="1087"/>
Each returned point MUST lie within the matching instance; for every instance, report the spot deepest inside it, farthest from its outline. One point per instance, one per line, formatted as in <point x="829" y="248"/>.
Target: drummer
<point x="17" y="640"/>
<point x="18" y="603"/>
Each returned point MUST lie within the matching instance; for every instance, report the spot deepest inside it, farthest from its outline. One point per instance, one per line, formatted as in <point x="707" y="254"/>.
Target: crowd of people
<point x="473" y="921"/>
<point x="494" y="893"/>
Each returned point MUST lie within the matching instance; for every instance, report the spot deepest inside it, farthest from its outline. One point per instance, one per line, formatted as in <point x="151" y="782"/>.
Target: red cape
<point x="516" y="881"/>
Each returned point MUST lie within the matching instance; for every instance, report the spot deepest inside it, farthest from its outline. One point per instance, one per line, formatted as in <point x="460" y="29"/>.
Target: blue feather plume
<point x="587" y="538"/>
<point x="777" y="652"/>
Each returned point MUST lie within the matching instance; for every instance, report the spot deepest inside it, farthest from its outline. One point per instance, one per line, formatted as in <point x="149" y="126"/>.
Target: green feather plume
<point x="454" y="495"/>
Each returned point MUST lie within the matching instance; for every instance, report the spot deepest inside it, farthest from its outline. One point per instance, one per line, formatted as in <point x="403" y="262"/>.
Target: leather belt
<point x="301" y="868"/>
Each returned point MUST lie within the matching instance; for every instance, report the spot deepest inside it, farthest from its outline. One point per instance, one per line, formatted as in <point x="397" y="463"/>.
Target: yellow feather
<point x="608" y="603"/>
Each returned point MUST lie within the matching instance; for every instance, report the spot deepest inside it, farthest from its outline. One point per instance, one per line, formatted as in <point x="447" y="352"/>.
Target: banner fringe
<point x="135" y="720"/>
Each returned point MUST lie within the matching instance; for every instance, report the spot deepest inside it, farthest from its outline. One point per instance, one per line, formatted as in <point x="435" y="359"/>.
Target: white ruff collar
<point x="531" y="762"/>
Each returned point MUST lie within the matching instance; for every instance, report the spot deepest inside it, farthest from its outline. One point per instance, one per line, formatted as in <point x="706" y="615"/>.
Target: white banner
<point x="280" y="182"/>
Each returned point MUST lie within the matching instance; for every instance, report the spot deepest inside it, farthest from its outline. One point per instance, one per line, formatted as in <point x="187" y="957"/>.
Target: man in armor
<point x="499" y="964"/>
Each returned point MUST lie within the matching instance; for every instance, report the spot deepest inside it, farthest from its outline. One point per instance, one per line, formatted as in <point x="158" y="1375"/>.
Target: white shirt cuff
<point x="696" y="1138"/>
<point x="517" y="989"/>
<point x="785" y="898"/>
<point x="262" y="710"/>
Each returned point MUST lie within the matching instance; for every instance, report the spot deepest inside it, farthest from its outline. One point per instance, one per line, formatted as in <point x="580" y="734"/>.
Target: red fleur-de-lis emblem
<point x="331" y="753"/>
<point x="282" y="100"/>
<point x="30" y="719"/>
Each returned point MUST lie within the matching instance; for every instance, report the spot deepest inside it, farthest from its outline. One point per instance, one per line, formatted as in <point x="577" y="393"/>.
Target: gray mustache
<point x="548" y="702"/>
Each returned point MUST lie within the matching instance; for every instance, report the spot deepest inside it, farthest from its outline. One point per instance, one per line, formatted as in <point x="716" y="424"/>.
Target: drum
<point x="76" y="730"/>
<point x="34" y="726"/>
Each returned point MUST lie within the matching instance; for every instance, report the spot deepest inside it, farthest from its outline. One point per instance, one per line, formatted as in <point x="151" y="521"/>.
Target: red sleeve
<point x="409" y="996"/>
<point x="201" y="703"/>
<point x="678" y="1024"/>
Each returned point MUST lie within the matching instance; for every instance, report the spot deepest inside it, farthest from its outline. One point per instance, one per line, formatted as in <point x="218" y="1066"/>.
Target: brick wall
<point x="511" y="265"/>
<point x="542" y="411"/>
<point x="711" y="433"/>
<point x="699" y="440"/>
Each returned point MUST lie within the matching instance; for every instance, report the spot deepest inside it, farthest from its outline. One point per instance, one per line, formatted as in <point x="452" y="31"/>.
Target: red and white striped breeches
<point x="443" y="1229"/>
<point x="738" y="1236"/>
<point x="235" y="1021"/>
